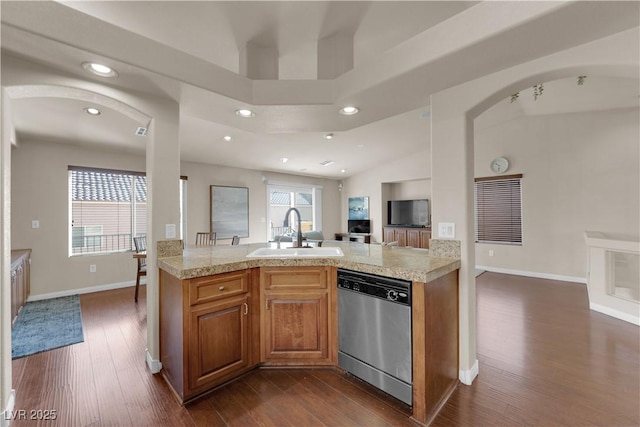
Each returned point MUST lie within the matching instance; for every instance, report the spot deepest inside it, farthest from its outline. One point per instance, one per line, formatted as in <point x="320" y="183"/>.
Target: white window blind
<point x="107" y="209"/>
<point x="498" y="210"/>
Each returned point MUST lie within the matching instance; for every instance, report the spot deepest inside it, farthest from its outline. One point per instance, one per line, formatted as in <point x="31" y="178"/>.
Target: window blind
<point x="498" y="210"/>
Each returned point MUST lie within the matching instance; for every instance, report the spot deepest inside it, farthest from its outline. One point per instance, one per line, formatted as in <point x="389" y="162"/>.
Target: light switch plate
<point x="446" y="230"/>
<point x="170" y="231"/>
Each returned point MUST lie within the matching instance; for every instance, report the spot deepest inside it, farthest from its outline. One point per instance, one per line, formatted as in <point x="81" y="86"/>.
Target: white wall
<point x="201" y="176"/>
<point x="40" y="191"/>
<point x="7" y="137"/>
<point x="581" y="172"/>
<point x="409" y="190"/>
<point x="375" y="184"/>
<point x="452" y="146"/>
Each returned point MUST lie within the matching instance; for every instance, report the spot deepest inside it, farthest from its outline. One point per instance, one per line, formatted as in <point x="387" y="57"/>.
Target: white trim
<point x="295" y="185"/>
<point x="7" y="413"/>
<point x="536" y="274"/>
<point x="86" y="290"/>
<point x="154" y="365"/>
<point x="615" y="313"/>
<point x="467" y="376"/>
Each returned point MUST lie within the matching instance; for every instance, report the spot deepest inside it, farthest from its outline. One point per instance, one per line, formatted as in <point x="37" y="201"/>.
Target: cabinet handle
<point x="266" y="303"/>
<point x="246" y="308"/>
<point x="221" y="288"/>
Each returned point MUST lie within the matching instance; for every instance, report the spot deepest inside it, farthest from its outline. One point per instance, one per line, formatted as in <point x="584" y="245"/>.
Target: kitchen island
<point x="223" y="314"/>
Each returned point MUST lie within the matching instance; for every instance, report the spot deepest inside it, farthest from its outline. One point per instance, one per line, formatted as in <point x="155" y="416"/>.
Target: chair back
<point x="204" y="238"/>
<point x="140" y="244"/>
<point x="235" y="240"/>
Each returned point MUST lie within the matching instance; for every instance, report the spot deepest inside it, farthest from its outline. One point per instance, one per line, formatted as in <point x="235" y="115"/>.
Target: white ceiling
<point x="190" y="52"/>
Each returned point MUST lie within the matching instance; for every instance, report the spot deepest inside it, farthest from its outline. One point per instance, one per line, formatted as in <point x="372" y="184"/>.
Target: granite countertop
<point x="404" y="263"/>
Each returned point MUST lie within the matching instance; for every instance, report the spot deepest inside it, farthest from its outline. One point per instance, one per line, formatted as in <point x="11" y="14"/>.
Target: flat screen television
<point x="408" y="213"/>
<point x="359" y="226"/>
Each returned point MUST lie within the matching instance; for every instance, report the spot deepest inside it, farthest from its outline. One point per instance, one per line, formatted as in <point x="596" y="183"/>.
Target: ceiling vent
<point x="141" y="131"/>
<point x="327" y="162"/>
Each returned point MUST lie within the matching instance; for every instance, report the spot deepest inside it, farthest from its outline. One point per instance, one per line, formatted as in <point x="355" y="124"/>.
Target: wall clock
<point x="499" y="165"/>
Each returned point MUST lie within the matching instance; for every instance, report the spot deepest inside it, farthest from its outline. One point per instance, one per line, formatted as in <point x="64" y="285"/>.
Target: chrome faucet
<point x="286" y="224"/>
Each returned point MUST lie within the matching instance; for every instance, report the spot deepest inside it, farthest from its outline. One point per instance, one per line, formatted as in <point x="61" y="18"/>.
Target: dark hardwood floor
<point x="545" y="360"/>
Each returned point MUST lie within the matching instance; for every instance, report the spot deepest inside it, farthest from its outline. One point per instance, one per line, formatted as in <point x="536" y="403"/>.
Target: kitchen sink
<point x="313" y="252"/>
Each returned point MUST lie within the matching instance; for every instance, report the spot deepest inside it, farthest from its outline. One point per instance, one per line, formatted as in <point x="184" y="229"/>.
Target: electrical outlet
<point x="35" y="224"/>
<point x="92" y="268"/>
<point x="490" y="252"/>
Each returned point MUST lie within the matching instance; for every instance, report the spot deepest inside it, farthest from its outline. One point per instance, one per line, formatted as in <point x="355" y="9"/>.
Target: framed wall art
<point x="358" y="208"/>
<point x="229" y="211"/>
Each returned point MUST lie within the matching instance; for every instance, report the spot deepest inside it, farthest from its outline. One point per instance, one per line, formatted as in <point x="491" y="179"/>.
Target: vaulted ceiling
<point x="294" y="64"/>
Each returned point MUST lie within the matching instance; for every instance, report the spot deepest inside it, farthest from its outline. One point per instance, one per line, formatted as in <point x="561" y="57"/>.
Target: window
<point x="498" y="210"/>
<point x="306" y="199"/>
<point x="107" y="209"/>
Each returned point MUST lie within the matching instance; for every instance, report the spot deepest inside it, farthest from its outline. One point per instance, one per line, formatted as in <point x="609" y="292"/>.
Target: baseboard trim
<point x="615" y="313"/>
<point x="154" y="365"/>
<point x="9" y="413"/>
<point x="87" y="290"/>
<point x="535" y="274"/>
<point x="467" y="376"/>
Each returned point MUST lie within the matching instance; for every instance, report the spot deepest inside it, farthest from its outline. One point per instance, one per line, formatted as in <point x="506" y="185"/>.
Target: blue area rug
<point x="47" y="324"/>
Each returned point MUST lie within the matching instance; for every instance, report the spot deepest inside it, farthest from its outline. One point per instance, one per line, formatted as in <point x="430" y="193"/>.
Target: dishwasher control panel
<point x="387" y="288"/>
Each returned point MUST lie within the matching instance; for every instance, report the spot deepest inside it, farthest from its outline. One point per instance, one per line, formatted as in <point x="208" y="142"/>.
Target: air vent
<point x="141" y="131"/>
<point x="327" y="162"/>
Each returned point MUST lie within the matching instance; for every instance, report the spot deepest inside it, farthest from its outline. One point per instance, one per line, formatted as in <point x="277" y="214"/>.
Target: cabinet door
<point x="14" y="295"/>
<point x="425" y="236"/>
<point x="218" y="341"/>
<point x="296" y="325"/>
<point x="413" y="238"/>
<point x="401" y="236"/>
<point x="389" y="235"/>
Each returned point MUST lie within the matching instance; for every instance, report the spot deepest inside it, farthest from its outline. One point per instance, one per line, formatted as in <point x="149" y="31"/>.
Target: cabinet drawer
<point x="282" y="278"/>
<point x="210" y="288"/>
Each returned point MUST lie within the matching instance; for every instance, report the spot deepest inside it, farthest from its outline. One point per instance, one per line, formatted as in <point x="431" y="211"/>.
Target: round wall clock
<point x="499" y="165"/>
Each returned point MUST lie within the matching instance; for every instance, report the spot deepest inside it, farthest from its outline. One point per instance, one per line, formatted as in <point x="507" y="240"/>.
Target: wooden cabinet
<point x="218" y="340"/>
<point x="299" y="316"/>
<point x="20" y="281"/>
<point x="208" y="330"/>
<point x="414" y="237"/>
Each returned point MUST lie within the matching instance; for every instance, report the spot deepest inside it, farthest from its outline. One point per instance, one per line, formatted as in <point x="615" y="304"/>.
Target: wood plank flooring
<point x="545" y="359"/>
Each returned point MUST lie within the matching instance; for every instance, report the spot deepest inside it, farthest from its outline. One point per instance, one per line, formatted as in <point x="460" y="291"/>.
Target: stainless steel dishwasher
<point x="374" y="331"/>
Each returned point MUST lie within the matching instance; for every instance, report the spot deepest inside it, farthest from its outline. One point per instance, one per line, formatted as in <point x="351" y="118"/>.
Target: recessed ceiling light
<point x="92" y="111"/>
<point x="227" y="138"/>
<point x="327" y="162"/>
<point x="284" y="159"/>
<point x="347" y="111"/>
<point x="360" y="145"/>
<point x="243" y="112"/>
<point x="343" y="170"/>
<point x="328" y="136"/>
<point x="99" y="69"/>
